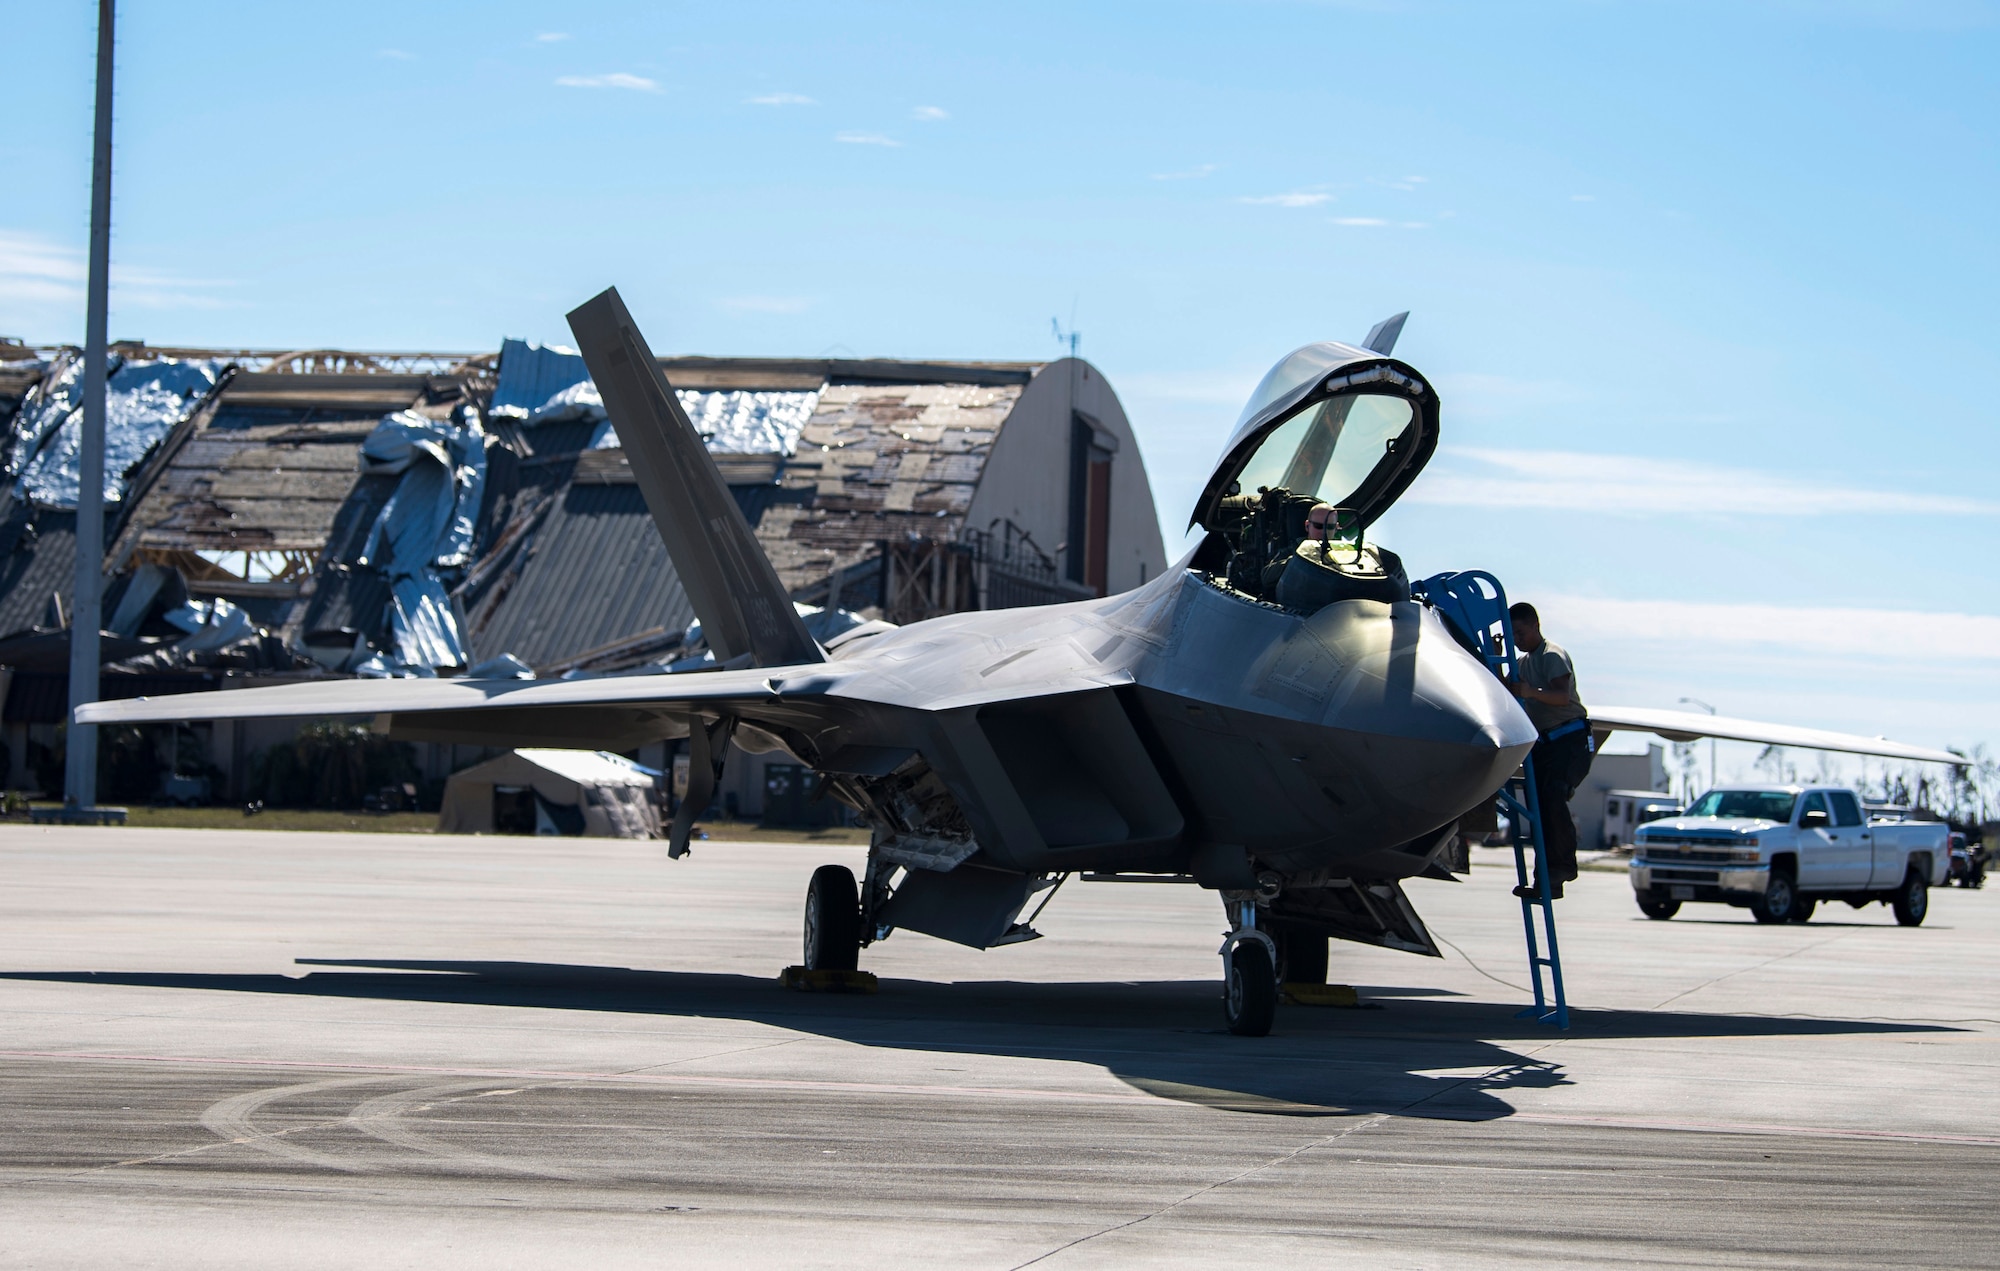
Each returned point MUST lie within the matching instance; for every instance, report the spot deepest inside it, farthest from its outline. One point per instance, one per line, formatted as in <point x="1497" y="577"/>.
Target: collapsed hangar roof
<point x="888" y="449"/>
<point x="567" y="566"/>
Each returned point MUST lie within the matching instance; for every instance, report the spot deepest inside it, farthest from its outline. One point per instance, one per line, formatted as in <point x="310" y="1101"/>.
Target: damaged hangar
<point x="274" y="516"/>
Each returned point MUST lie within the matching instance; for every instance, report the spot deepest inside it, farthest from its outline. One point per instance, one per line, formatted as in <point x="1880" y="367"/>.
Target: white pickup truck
<point x="1779" y="850"/>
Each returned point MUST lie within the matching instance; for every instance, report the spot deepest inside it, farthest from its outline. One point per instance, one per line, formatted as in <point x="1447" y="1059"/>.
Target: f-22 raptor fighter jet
<point x="1275" y="718"/>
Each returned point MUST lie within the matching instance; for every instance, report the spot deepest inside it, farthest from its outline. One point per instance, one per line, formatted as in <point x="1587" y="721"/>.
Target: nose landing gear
<point x="1250" y="976"/>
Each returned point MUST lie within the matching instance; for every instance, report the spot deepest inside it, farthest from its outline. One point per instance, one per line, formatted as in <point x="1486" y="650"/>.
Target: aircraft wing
<point x="616" y="712"/>
<point x="337" y="697"/>
<point x="1689" y="725"/>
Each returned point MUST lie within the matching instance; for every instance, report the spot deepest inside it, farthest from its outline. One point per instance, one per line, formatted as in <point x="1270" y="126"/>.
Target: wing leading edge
<point x="617" y="712"/>
<point x="1689" y="725"/>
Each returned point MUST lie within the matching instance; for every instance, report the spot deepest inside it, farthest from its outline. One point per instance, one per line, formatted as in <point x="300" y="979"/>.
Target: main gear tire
<point x="1250" y="990"/>
<point x="833" y="920"/>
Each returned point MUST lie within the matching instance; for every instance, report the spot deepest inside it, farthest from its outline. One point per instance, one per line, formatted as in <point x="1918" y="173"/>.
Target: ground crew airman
<point x="1545" y="681"/>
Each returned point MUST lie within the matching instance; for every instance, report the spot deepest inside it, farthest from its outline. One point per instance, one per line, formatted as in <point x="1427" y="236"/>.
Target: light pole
<point x="1696" y="701"/>
<point x="80" y="767"/>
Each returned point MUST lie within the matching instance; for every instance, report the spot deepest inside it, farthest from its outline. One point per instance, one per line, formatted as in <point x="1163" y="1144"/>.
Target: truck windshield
<point x="1758" y="805"/>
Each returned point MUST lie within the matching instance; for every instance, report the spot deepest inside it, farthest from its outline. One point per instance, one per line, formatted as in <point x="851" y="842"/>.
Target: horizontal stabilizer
<point x="1688" y="725"/>
<point x="745" y="611"/>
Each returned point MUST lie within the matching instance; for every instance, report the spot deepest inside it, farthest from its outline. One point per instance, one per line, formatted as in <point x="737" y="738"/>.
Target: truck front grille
<point x="1662" y="874"/>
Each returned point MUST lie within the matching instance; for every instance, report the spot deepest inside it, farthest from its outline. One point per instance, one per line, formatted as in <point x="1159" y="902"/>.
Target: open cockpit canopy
<point x="1343" y="425"/>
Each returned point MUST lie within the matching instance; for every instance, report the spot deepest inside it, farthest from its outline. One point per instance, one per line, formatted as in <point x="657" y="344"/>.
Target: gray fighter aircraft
<point x="1275" y="718"/>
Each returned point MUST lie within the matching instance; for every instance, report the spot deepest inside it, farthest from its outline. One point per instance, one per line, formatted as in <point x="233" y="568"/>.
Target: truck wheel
<point x="1250" y="996"/>
<point x="1802" y="909"/>
<point x="1913" y="900"/>
<point x="833" y="920"/>
<point x="1657" y="909"/>
<point x="1780" y="898"/>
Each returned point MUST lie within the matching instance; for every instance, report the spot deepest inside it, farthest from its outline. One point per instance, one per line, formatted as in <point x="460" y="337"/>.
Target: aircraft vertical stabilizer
<point x="1382" y="336"/>
<point x="744" y="609"/>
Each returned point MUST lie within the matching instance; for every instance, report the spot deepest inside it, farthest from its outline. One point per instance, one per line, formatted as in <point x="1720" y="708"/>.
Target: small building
<point x="1646" y="771"/>
<point x="542" y="791"/>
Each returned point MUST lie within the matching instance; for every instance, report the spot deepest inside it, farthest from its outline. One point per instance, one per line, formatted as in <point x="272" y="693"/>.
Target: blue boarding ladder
<point x="1476" y="605"/>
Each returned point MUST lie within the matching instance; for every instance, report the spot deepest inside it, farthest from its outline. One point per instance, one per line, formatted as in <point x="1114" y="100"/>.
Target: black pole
<point x="80" y="766"/>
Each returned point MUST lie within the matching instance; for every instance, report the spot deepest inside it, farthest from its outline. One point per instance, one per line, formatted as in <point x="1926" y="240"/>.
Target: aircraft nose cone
<point x="1463" y="730"/>
<point x="1445" y="731"/>
<point x="1410" y="680"/>
<point x="1466" y="702"/>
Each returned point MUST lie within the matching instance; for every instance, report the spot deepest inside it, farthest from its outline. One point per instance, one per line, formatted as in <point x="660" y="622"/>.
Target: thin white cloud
<point x="1405" y="184"/>
<point x="1501" y="396"/>
<point x="35" y="271"/>
<point x="1360" y="222"/>
<point x="396" y="55"/>
<point x="1222" y="388"/>
<point x="866" y="139"/>
<point x="1192" y="174"/>
<point x="27" y="257"/>
<point x="1924" y="677"/>
<point x="1831" y="632"/>
<point x="930" y="114"/>
<point x="1630" y="485"/>
<point x="1297" y="198"/>
<point x="551" y="37"/>
<point x="616" y="79"/>
<point x="765" y="304"/>
<point x="782" y="99"/>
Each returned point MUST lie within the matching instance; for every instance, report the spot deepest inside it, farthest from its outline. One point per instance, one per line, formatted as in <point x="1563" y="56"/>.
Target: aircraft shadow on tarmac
<point x="1408" y="1052"/>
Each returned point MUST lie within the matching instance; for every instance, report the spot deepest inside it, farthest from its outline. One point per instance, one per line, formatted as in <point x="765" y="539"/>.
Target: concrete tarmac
<point x="268" y="1050"/>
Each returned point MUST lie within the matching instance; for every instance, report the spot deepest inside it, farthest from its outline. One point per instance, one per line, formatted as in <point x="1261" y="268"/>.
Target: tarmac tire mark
<point x="633" y="1076"/>
<point x="230" y="1120"/>
<point x="385" y="1118"/>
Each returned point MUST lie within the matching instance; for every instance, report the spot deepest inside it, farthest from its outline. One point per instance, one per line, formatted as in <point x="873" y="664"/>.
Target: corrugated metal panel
<point x="37" y="560"/>
<point x="598" y="573"/>
<point x="595" y="574"/>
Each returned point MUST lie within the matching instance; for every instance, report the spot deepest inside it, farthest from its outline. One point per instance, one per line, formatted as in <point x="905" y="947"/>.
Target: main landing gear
<point x="833" y="920"/>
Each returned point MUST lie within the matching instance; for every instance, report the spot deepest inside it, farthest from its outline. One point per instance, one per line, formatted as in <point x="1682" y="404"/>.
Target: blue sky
<point x="1708" y="289"/>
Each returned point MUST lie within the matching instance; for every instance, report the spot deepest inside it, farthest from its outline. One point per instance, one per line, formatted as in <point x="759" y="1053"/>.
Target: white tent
<point x="590" y="792"/>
